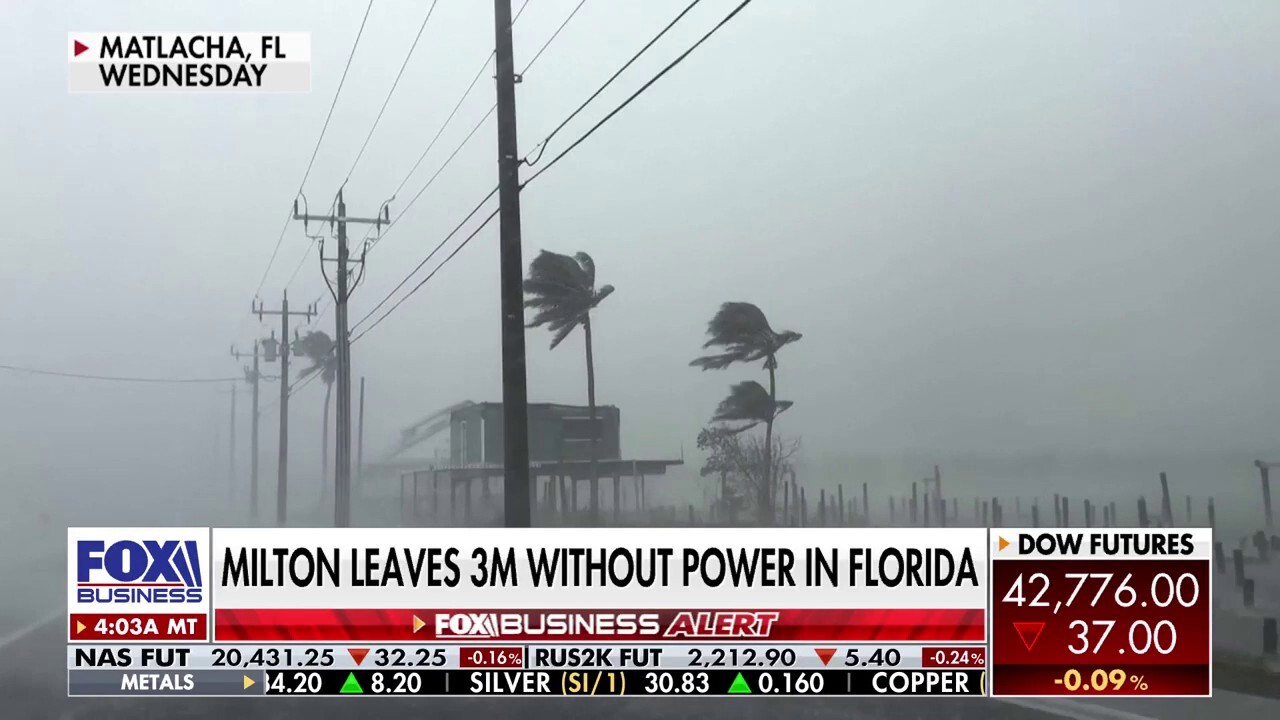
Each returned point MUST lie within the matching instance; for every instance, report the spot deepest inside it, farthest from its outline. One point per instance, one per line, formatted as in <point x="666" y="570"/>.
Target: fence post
<point x="866" y="506"/>
<point x="1166" y="506"/>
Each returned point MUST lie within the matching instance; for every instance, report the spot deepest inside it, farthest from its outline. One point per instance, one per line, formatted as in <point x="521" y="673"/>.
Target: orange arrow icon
<point x="79" y="627"/>
<point x="1003" y="543"/>
<point x="417" y="623"/>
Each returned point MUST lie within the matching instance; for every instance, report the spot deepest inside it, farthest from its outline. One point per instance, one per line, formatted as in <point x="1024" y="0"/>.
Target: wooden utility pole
<point x="342" y="451"/>
<point x="253" y="377"/>
<point x="272" y="347"/>
<point x="231" y="449"/>
<point x="360" y="437"/>
<point x="515" y="396"/>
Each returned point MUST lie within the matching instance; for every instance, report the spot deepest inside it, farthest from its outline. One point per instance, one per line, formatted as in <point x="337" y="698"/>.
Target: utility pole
<point x="231" y="461"/>
<point x="270" y="347"/>
<point x="515" y="393"/>
<point x="342" y="451"/>
<point x="360" y="438"/>
<point x="252" y="376"/>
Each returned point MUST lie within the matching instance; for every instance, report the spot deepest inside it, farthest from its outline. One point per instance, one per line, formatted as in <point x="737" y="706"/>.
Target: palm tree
<point x="562" y="288"/>
<point x="747" y="405"/>
<point x="319" y="348"/>
<point x="743" y="333"/>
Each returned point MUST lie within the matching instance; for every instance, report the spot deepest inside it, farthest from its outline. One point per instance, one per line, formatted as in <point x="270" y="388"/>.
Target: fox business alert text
<point x="688" y="612"/>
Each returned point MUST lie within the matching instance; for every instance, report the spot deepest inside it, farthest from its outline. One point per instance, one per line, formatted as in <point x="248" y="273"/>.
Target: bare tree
<point x="749" y="468"/>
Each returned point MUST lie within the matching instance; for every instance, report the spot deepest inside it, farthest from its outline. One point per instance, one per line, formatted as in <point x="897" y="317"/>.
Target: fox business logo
<point x="687" y="624"/>
<point x="128" y="571"/>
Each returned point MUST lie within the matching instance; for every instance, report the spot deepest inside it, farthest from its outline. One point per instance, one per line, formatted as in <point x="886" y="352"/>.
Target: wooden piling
<point x="914" y="507"/>
<point x="1166" y="506"/>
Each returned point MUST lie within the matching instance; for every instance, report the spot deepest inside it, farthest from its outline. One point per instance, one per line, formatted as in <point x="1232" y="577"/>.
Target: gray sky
<point x="1001" y="226"/>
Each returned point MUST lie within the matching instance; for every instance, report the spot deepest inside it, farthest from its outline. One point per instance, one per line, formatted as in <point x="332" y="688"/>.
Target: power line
<point x="117" y="378"/>
<point x="639" y="92"/>
<point x="336" y="94"/>
<point x="549" y="165"/>
<point x="430" y="275"/>
<point x="541" y="147"/>
<point x="555" y="34"/>
<point x="465" y="94"/>
<point x="317" y="238"/>
<point x="433" y="177"/>
<point x="403" y="65"/>
<point x="276" y="251"/>
<point x="297" y="386"/>
<point x="440" y="132"/>
<point x="425" y="260"/>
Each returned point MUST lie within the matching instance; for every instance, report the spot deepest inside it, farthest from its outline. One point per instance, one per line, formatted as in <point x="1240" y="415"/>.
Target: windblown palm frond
<point x="742" y="330"/>
<point x="562" y="290"/>
<point x="747" y="405"/>
<point x="317" y="347"/>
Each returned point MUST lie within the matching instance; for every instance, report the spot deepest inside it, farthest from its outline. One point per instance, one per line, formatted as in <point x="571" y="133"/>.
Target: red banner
<point x="669" y="625"/>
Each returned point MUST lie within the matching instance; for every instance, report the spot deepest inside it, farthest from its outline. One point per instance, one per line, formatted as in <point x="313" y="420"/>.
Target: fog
<point x="1040" y="231"/>
<point x="1003" y="230"/>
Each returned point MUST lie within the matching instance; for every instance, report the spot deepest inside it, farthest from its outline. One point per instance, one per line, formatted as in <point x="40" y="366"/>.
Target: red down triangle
<point x="1029" y="632"/>
<point x="825" y="654"/>
<point x="358" y="654"/>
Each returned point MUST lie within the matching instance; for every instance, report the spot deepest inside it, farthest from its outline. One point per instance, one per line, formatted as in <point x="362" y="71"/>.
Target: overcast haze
<point x="1002" y="227"/>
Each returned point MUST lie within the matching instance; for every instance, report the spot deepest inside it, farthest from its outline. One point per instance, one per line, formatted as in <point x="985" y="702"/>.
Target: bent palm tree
<point x="747" y="405"/>
<point x="319" y="348"/>
<point x="743" y="333"/>
<point x="562" y="288"/>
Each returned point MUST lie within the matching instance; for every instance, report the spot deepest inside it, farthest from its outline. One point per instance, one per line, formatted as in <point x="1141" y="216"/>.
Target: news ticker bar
<point x="525" y="657"/>
<point x="1061" y="611"/>
<point x="528" y="683"/>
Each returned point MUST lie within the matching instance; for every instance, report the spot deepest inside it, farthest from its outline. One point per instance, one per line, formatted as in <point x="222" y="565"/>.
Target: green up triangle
<point x="739" y="686"/>
<point x="351" y="686"/>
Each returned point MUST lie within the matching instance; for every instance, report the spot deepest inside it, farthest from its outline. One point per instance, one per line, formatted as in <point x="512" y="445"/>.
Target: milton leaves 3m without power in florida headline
<point x="607" y="567"/>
